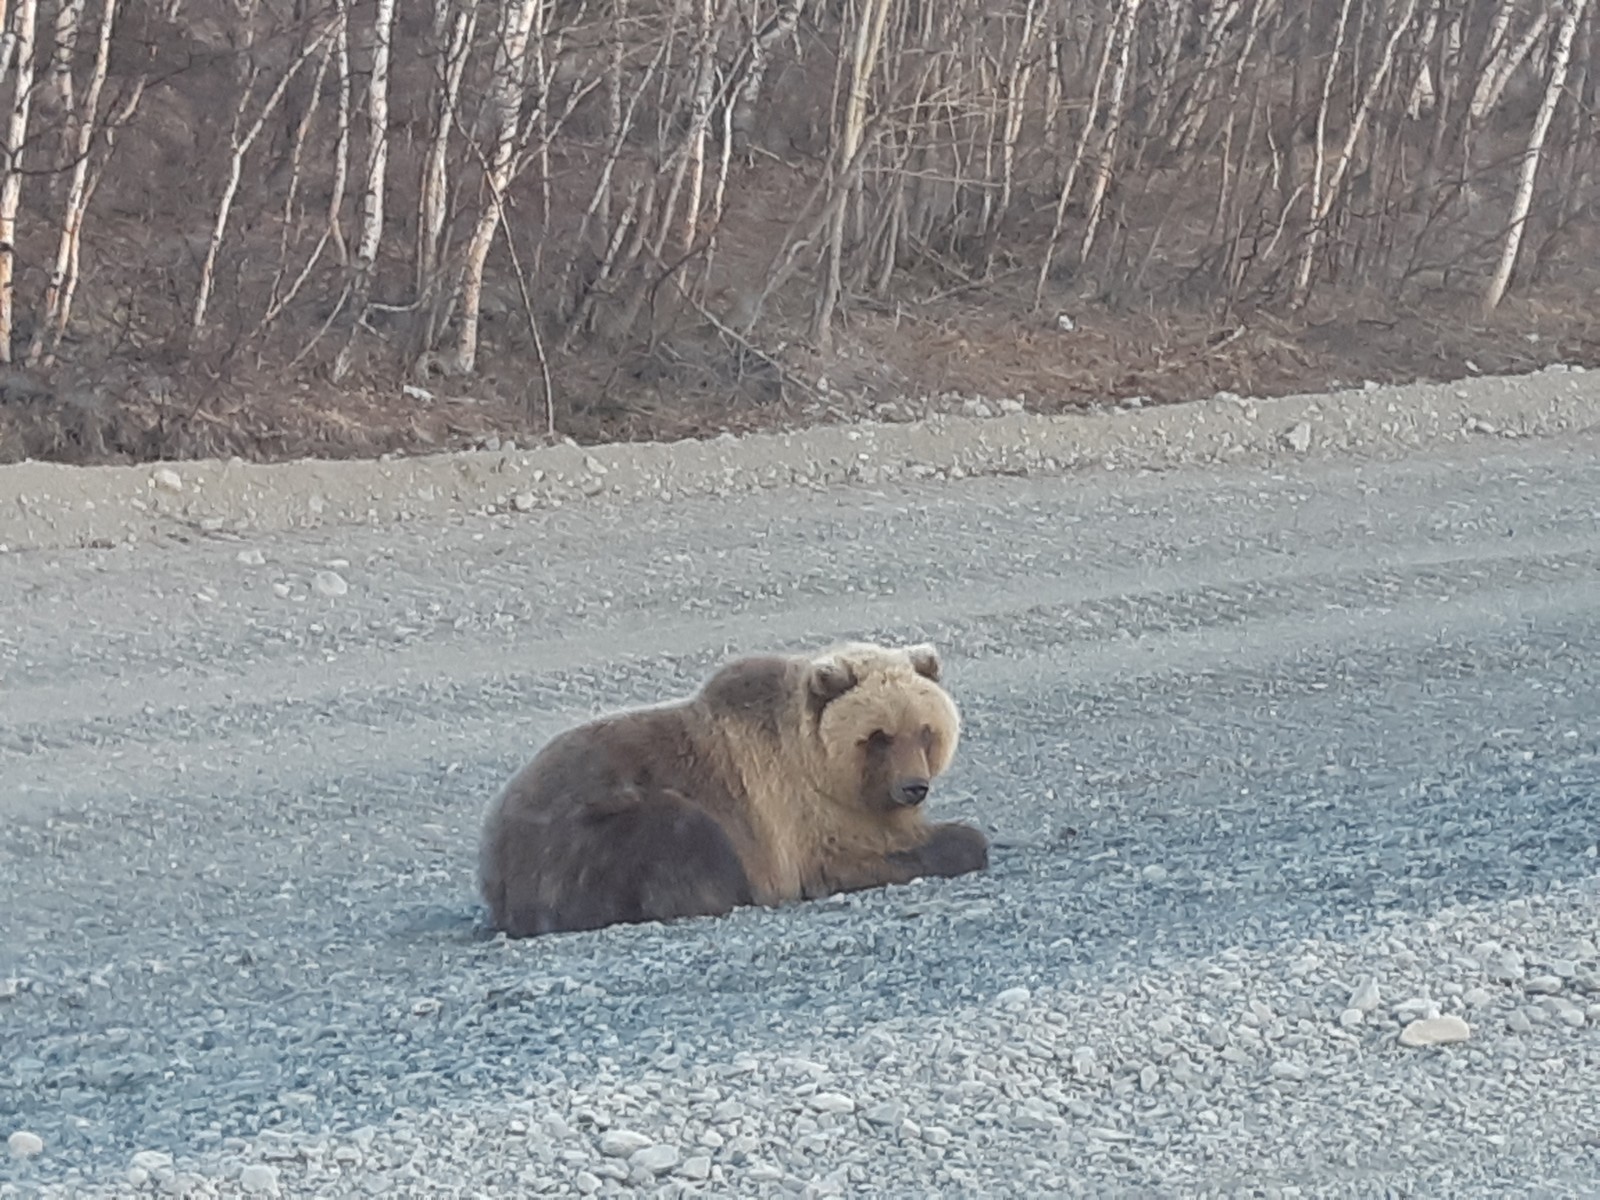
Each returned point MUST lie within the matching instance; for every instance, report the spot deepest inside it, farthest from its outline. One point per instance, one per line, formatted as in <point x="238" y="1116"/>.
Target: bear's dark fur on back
<point x="724" y="799"/>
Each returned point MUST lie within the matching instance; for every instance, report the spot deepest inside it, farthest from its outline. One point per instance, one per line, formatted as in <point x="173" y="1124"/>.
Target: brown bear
<point x="785" y="777"/>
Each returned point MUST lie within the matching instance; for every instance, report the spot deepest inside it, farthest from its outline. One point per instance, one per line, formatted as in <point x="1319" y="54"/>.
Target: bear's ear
<point x="925" y="660"/>
<point x="830" y="678"/>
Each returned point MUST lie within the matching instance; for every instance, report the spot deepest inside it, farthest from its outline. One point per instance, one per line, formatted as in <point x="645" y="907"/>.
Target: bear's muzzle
<point x="910" y="792"/>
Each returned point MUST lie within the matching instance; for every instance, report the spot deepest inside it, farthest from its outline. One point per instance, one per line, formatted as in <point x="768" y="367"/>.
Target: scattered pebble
<point x="1298" y="438"/>
<point x="620" y="1143"/>
<point x="23" y="1144"/>
<point x="167" y="480"/>
<point x="329" y="583"/>
<point x="1435" y="1031"/>
<point x="833" y="1102"/>
<point x="890" y="1113"/>
<point x="251" y="557"/>
<point x="1365" y="998"/>
<point x="657" y="1159"/>
<point x="1013" y="997"/>
<point x="259" y="1179"/>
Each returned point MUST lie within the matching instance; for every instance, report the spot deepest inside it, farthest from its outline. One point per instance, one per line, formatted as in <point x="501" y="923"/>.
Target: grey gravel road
<point x="1278" y="766"/>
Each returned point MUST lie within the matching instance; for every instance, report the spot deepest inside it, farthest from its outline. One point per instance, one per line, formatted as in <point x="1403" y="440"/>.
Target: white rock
<point x="833" y="1102"/>
<point x="152" y="1160"/>
<point x="1435" y="1031"/>
<point x="258" y="1179"/>
<point x="657" y="1159"/>
<point x="1543" y="985"/>
<point x="23" y="1144"/>
<point x="1298" y="438"/>
<point x="1505" y="967"/>
<point x="251" y="557"/>
<point x="167" y="480"/>
<point x="586" y="1183"/>
<point x="1365" y="998"/>
<point x="1416" y="1008"/>
<point x="696" y="1166"/>
<point x="890" y="1112"/>
<point x="1351" y="1017"/>
<point x="329" y="583"/>
<point x="1013" y="997"/>
<point x="1519" y="1022"/>
<point x="1010" y="406"/>
<point x="621" y="1143"/>
<point x="1154" y="873"/>
<point x="523" y="501"/>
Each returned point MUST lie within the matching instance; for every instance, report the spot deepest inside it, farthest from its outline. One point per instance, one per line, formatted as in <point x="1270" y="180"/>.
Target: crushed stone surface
<point x="1281" y="762"/>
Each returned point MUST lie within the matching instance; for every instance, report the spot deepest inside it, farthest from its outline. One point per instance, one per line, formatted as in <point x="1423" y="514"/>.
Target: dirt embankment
<point x="49" y="505"/>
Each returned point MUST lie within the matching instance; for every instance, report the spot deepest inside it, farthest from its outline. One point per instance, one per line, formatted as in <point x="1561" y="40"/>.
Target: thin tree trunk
<point x="11" y="187"/>
<point x="53" y="320"/>
<point x="516" y="24"/>
<point x="239" y="148"/>
<point x="1108" y="145"/>
<point x="1560" y="57"/>
<point x="869" y="37"/>
<point x="373" y="197"/>
<point x="432" y="200"/>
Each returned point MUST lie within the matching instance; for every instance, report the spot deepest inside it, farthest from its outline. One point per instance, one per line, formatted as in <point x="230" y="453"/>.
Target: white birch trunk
<point x="432" y="200"/>
<point x="11" y="188"/>
<point x="372" y="199"/>
<point x="863" y="59"/>
<point x="1108" y="146"/>
<point x="516" y="24"/>
<point x="240" y="148"/>
<point x="53" y="321"/>
<point x="1503" y="64"/>
<point x="1560" y="56"/>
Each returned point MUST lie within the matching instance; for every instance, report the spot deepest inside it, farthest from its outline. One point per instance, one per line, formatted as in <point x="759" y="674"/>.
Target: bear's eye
<point x="876" y="740"/>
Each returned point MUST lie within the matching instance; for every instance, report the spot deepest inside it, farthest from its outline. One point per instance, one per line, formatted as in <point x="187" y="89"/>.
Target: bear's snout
<point x="910" y="792"/>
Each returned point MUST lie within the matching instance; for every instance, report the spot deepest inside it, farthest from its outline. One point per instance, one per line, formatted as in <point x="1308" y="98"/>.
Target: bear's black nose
<point x="911" y="791"/>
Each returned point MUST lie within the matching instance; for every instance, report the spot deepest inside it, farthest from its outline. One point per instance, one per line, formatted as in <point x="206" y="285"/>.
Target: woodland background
<point x="278" y="227"/>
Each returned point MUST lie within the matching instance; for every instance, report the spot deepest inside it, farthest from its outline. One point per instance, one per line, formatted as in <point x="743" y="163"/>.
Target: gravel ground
<point x="1289" y="768"/>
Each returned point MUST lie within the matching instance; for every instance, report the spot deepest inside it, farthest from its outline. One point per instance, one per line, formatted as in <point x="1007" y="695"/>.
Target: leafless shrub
<point x="543" y="183"/>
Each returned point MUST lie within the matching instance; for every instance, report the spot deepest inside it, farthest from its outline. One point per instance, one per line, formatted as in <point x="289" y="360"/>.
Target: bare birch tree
<point x="1560" y="56"/>
<point x="20" y="53"/>
<point x="863" y="60"/>
<point x="510" y="66"/>
<point x="239" y="147"/>
<point x="374" y="190"/>
<point x="81" y="130"/>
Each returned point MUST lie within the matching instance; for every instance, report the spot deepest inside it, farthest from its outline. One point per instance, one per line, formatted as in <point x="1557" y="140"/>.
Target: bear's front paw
<point x="955" y="849"/>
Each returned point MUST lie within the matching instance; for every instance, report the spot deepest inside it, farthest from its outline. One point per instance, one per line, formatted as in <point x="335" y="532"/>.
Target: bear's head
<point x="885" y="727"/>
